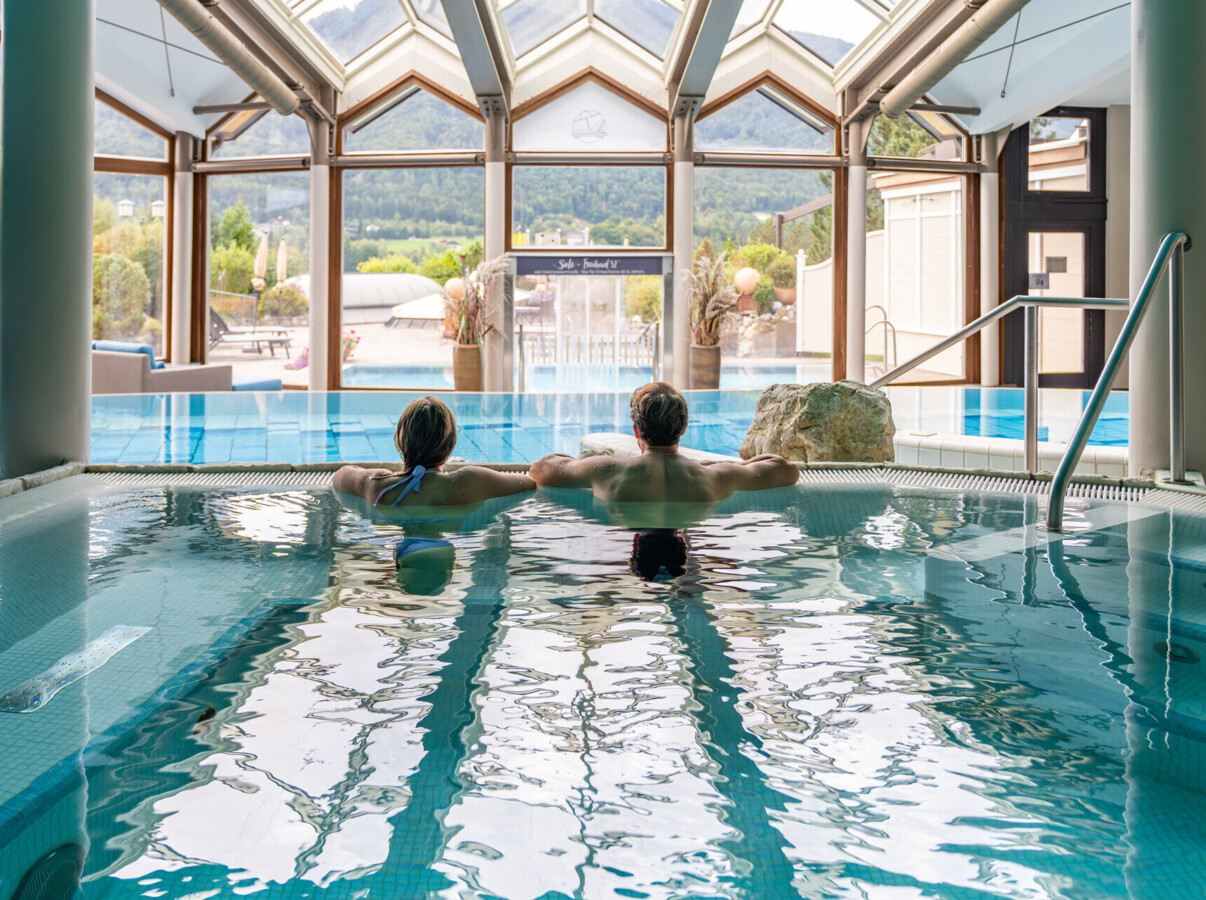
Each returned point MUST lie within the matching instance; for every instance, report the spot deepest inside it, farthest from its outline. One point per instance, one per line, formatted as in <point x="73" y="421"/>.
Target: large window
<point x="588" y="206"/>
<point x="406" y="233"/>
<point x="130" y="216"/>
<point x="779" y="223"/>
<point x="259" y="257"/>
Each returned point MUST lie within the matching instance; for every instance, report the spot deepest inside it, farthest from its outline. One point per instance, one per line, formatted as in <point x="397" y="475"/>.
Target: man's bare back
<point x="662" y="474"/>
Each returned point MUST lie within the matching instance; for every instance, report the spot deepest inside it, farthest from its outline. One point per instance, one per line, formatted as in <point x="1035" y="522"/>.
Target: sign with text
<point x="588" y="265"/>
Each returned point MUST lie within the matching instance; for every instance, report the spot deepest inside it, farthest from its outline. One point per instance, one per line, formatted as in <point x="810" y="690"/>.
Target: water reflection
<point x="804" y="699"/>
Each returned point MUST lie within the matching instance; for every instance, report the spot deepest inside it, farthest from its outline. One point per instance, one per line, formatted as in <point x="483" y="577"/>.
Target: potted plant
<point x="713" y="299"/>
<point x="783" y="276"/>
<point x="467" y="302"/>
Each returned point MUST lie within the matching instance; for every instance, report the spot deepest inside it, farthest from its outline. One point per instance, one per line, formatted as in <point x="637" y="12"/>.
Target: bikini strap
<point x="409" y="484"/>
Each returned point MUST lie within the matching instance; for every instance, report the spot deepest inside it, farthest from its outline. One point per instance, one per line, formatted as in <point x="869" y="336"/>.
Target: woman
<point x="424" y="437"/>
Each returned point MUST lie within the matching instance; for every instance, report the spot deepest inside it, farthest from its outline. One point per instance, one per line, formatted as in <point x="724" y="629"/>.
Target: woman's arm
<point x="355" y="480"/>
<point x="475" y="483"/>
<point x="559" y="470"/>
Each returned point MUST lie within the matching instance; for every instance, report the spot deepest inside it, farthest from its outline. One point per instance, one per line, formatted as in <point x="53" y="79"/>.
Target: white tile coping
<point x="962" y="451"/>
<point x="931" y="451"/>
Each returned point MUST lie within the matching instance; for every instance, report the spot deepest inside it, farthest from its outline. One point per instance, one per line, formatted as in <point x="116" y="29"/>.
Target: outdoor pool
<point x="299" y="427"/>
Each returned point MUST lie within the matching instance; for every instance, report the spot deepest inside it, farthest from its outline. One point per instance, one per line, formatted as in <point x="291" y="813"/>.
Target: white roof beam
<point x="708" y="26"/>
<point x="475" y="30"/>
<point x="898" y="52"/>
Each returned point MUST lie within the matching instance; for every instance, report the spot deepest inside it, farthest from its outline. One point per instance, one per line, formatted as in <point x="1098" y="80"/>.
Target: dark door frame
<point x="1027" y="211"/>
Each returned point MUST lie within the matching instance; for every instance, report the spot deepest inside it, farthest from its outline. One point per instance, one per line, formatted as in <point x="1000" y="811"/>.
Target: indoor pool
<point x="847" y="692"/>
<point x="298" y="427"/>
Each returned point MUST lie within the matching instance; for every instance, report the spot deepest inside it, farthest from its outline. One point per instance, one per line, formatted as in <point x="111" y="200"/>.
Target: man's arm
<point x="757" y="474"/>
<point x="559" y="470"/>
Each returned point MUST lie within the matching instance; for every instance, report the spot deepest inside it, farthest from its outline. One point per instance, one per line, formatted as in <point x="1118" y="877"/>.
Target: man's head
<point x="659" y="414"/>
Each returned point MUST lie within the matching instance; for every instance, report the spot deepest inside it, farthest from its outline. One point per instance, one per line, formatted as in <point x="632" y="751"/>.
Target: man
<point x="661" y="474"/>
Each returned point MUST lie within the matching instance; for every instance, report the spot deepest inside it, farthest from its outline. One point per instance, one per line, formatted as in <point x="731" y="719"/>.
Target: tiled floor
<point x="296" y="427"/>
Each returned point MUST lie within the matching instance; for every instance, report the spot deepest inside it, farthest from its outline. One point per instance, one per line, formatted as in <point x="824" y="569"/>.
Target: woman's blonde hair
<point x="426" y="433"/>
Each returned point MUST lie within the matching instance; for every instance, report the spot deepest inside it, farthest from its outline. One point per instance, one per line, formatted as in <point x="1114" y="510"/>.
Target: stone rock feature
<point x="840" y="421"/>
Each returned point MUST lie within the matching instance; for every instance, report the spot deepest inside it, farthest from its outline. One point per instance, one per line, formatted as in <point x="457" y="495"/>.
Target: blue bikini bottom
<point x="408" y="546"/>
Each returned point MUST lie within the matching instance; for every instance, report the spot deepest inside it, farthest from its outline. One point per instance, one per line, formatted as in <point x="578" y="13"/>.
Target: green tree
<point x="820" y="229"/>
<point x="357" y="251"/>
<point x="234" y="228"/>
<point x="230" y="269"/>
<point x="705" y="248"/>
<point x="901" y="137"/>
<point x="120" y="293"/>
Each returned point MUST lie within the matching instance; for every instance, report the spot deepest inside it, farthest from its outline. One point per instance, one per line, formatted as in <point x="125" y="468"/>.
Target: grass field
<point x="423" y="246"/>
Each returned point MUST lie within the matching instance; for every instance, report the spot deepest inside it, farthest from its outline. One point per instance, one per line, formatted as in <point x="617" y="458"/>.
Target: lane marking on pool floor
<point x="36" y="692"/>
<point x="1026" y="537"/>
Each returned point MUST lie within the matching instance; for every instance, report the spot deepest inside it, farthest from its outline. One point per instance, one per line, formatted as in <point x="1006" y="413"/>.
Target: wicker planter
<point x="705" y="367"/>
<point x="467" y="367"/>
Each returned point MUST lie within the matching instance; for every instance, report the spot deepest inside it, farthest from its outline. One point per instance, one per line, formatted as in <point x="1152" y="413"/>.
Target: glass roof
<point x="413" y="119"/>
<point x="649" y="23"/>
<point x="764" y="120"/>
<point x="530" y="23"/>
<point x="828" y="28"/>
<point x="748" y="16"/>
<point x="350" y="27"/>
<point x="431" y="12"/>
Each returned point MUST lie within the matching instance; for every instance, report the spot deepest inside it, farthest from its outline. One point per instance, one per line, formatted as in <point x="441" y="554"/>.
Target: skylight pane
<point x="828" y="28"/>
<point x="413" y="120"/>
<point x="649" y="23"/>
<point x="530" y="23"/>
<point x="271" y="134"/>
<point x="750" y="14"/>
<point x="431" y="12"/>
<point x="763" y="122"/>
<point x="349" y="27"/>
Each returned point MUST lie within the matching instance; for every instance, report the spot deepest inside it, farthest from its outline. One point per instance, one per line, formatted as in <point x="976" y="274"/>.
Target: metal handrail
<point x="1030" y="382"/>
<point x="1171" y="254"/>
<point x="889" y="328"/>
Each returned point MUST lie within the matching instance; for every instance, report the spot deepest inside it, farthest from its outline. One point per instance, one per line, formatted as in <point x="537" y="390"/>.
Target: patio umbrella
<point x="261" y="263"/>
<point x="282" y="257"/>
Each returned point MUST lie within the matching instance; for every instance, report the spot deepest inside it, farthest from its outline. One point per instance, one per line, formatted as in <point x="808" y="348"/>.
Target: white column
<point x="46" y="235"/>
<point x="498" y="364"/>
<point x="990" y="261"/>
<point x="676" y="361"/>
<point x="1118" y="224"/>
<point x="1168" y="193"/>
<point x="856" y="270"/>
<point x="320" y="270"/>
<point x="498" y="354"/>
<point x="180" y="290"/>
<point x="676" y="306"/>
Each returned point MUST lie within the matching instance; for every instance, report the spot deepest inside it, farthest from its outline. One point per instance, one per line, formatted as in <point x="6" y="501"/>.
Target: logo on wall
<point x="589" y="126"/>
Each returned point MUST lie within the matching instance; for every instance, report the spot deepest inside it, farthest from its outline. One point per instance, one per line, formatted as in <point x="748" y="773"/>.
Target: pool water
<point x="849" y="692"/>
<point x="299" y="427"/>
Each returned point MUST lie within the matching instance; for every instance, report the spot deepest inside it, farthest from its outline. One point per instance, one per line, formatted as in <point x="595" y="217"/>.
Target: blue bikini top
<point x="409" y="484"/>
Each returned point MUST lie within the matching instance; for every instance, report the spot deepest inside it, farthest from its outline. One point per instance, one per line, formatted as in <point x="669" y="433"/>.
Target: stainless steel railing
<point x="1170" y="256"/>
<point x="1030" y="382"/>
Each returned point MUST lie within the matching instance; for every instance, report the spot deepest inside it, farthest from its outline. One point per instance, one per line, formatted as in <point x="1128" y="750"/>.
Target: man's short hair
<point x="659" y="413"/>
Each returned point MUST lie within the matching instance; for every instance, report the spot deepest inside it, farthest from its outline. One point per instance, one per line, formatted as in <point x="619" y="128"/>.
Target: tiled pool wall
<point x="942" y="426"/>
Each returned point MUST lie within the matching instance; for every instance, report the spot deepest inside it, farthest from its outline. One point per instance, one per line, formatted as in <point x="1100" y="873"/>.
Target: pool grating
<point x="1086" y="487"/>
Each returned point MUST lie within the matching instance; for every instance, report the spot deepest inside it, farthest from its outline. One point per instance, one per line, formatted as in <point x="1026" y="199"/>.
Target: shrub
<point x="357" y="251"/>
<point x="782" y="272"/>
<point x="230" y="269"/>
<point x="284" y="300"/>
<point x="764" y="296"/>
<point x="394" y="262"/>
<point x="643" y="297"/>
<point x="756" y="256"/>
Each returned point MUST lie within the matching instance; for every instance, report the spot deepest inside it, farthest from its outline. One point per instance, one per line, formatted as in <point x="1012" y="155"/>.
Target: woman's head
<point x="426" y="434"/>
